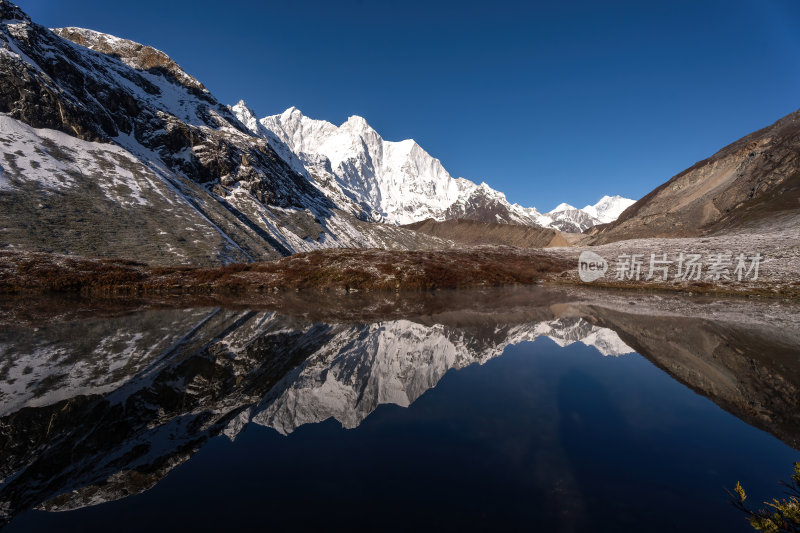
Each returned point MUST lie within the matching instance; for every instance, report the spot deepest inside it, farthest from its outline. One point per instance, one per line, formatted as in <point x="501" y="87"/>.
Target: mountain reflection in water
<point x="99" y="406"/>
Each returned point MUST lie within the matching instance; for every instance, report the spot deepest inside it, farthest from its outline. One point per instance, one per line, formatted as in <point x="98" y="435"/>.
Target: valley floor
<point x="777" y="276"/>
<point x="722" y="260"/>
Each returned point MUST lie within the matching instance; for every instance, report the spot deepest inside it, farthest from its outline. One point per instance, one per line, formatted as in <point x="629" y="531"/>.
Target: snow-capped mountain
<point x="573" y="220"/>
<point x="609" y="208"/>
<point x="398" y="182"/>
<point x="146" y="163"/>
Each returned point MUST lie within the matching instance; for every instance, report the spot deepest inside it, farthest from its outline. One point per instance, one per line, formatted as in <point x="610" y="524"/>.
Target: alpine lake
<point x="535" y="409"/>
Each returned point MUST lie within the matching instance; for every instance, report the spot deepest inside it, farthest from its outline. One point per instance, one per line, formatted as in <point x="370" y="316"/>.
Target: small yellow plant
<point x="779" y="516"/>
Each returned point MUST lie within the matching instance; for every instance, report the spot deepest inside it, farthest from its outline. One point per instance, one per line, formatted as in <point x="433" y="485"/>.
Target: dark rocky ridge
<point x="88" y="95"/>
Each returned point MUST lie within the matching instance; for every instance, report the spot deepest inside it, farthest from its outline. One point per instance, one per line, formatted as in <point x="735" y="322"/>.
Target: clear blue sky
<point x="548" y="102"/>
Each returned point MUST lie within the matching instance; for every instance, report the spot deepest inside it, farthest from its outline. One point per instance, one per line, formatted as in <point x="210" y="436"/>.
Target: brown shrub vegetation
<point x="348" y="270"/>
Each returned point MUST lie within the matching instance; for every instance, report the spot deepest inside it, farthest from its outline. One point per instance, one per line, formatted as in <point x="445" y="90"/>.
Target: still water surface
<point x="536" y="418"/>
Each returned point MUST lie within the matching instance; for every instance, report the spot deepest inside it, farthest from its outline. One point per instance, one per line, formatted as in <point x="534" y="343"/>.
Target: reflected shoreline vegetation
<point x="101" y="400"/>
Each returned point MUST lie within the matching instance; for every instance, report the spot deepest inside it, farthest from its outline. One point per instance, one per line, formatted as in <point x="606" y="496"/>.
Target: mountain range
<point x="399" y="182"/>
<point x="109" y="148"/>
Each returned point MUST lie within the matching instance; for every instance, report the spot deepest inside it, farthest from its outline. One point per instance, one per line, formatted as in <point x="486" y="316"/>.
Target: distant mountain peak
<point x="396" y="181"/>
<point x="609" y="208"/>
<point x="562" y="207"/>
<point x="292" y="112"/>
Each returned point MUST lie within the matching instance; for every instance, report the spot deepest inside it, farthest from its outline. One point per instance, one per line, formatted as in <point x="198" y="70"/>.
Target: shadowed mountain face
<point x="751" y="184"/>
<point x="96" y="409"/>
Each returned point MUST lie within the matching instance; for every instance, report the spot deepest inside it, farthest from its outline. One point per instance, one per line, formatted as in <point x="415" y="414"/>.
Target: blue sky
<point x="548" y="101"/>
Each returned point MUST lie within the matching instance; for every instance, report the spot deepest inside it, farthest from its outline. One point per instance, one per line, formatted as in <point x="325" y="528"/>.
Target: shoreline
<point x="339" y="271"/>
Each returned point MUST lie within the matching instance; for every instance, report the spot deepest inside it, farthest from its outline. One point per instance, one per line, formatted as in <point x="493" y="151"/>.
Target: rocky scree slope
<point x="473" y="232"/>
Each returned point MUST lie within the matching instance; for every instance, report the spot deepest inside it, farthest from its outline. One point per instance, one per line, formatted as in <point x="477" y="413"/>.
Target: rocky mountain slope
<point x="473" y="232"/>
<point x="400" y="182"/>
<point x="752" y="184"/>
<point x="113" y="150"/>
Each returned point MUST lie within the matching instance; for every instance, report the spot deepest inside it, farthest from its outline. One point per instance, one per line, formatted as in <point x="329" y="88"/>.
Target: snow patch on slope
<point x="54" y="160"/>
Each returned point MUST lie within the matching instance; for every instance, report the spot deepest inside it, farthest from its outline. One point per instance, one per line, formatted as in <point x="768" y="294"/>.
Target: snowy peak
<point x="292" y="115"/>
<point x="562" y="207"/>
<point x="573" y="220"/>
<point x="358" y="123"/>
<point x="394" y="181"/>
<point x="246" y="116"/>
<point x="398" y="181"/>
<point x="609" y="208"/>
